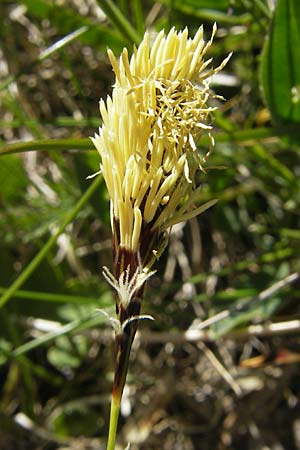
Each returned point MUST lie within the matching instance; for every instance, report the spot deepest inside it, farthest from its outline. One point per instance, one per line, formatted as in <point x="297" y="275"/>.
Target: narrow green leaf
<point x="274" y="165"/>
<point x="58" y="298"/>
<point x="263" y="8"/>
<point x="256" y="134"/>
<point x="66" y="20"/>
<point x="91" y="320"/>
<point x="214" y="14"/>
<point x="258" y="311"/>
<point x="60" y="121"/>
<point x="48" y="144"/>
<point x="31" y="267"/>
<point x="137" y="10"/>
<point x="61" y="43"/>
<point x="85" y="28"/>
<point x="220" y="5"/>
<point x="280" y="68"/>
<point x="116" y="16"/>
<point x="266" y="258"/>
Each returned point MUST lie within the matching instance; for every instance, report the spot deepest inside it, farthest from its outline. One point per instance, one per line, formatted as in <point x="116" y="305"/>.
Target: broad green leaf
<point x="281" y="66"/>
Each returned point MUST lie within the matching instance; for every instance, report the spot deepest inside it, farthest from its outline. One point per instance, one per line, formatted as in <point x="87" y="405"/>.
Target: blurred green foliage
<point x="51" y="332"/>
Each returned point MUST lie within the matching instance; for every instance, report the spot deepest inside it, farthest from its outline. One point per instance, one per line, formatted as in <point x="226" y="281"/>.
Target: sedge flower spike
<point x="157" y="112"/>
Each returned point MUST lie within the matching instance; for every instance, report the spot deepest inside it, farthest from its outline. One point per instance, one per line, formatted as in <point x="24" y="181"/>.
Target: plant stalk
<point x="113" y="422"/>
<point x="123" y="343"/>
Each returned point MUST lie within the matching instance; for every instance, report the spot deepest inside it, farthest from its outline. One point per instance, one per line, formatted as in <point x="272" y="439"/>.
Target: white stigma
<point x="127" y="287"/>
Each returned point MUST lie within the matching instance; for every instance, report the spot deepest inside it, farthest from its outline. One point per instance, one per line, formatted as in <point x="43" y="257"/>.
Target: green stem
<point x="240" y="136"/>
<point x="56" y="298"/>
<point x="116" y="16"/>
<point x="113" y="422"/>
<point x="46" y="145"/>
<point x="263" y="9"/>
<point x="123" y="342"/>
<point x="207" y="14"/>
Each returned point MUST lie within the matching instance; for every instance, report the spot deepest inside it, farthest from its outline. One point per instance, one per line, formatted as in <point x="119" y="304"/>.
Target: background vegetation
<point x="219" y="367"/>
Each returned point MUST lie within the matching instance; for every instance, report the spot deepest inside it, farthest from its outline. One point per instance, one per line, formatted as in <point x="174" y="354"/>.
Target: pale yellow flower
<point x="158" y="111"/>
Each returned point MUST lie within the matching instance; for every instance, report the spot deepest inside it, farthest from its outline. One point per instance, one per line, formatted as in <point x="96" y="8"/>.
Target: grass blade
<point x="32" y="266"/>
<point x="116" y="16"/>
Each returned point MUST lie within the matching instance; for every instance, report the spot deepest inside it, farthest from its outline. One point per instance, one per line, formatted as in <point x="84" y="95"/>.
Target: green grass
<point x="54" y="223"/>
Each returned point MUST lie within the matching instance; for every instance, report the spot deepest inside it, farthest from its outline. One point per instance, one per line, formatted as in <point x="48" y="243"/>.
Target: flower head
<point x="157" y="112"/>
